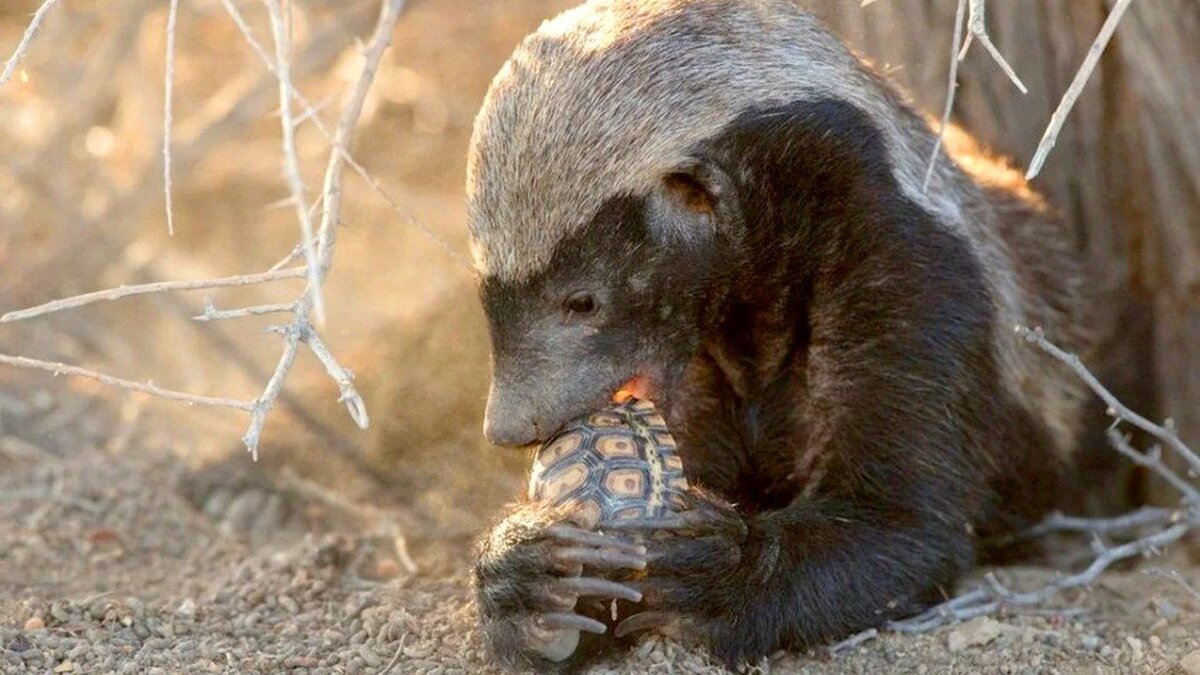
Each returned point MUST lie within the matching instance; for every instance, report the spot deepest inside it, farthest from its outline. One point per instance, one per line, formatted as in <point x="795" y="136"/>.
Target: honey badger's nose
<point x="509" y="422"/>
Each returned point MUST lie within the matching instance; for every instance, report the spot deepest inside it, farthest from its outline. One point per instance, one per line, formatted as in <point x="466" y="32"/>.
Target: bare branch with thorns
<point x="315" y="247"/>
<point x="310" y="112"/>
<point x="143" y="289"/>
<point x="65" y="369"/>
<point x="18" y="55"/>
<point x="1050" y="137"/>
<point x="976" y="29"/>
<point x="1151" y="528"/>
<point x="168" y="91"/>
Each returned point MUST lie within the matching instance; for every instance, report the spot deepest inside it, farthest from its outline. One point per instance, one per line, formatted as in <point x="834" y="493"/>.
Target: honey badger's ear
<point x="689" y="201"/>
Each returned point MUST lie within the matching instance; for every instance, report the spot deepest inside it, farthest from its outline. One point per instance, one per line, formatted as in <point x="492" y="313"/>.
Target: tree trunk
<point x="1126" y="169"/>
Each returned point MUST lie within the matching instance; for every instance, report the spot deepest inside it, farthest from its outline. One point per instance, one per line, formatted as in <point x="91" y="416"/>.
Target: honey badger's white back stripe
<point x="606" y="98"/>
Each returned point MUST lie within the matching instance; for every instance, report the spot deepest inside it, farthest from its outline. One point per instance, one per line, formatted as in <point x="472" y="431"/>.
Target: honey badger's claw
<point x="692" y="522"/>
<point x="599" y="558"/>
<point x="642" y="621"/>
<point x="572" y="621"/>
<point x="676" y="522"/>
<point x="574" y="535"/>
<point x="593" y="587"/>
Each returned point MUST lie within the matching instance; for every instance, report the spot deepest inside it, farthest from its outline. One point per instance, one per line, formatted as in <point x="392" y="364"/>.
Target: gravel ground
<point x="112" y="560"/>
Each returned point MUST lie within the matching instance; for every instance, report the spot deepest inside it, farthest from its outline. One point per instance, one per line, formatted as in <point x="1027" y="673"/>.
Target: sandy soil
<point x="116" y="557"/>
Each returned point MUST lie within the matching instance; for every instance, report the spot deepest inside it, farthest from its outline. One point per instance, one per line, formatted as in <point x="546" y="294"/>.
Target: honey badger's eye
<point x="580" y="303"/>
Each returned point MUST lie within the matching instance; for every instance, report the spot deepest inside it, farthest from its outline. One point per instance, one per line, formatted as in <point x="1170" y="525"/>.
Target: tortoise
<point x="613" y="464"/>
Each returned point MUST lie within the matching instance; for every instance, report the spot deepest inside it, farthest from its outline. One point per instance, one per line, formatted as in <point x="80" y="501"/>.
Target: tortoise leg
<point x="529" y="577"/>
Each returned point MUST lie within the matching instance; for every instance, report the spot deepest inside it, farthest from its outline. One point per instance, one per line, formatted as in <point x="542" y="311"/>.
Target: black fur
<point x="826" y="361"/>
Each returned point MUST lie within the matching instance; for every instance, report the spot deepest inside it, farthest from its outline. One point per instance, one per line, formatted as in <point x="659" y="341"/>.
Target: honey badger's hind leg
<point x="540" y="588"/>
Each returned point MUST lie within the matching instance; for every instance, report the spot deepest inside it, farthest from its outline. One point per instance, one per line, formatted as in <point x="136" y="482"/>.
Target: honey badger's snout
<point x="509" y="419"/>
<point x="529" y="406"/>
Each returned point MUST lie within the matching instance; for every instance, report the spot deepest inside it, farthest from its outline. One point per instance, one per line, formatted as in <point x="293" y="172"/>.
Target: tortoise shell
<point x="616" y="463"/>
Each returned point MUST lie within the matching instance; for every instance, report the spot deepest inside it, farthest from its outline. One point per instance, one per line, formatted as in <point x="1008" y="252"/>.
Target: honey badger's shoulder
<point x="607" y="98"/>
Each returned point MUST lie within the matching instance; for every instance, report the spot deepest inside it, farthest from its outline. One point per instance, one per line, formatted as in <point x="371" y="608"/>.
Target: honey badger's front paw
<point x="529" y="577"/>
<point x="700" y="572"/>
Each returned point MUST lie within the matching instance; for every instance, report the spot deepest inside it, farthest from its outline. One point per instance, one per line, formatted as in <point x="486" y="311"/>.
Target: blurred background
<point x="81" y="208"/>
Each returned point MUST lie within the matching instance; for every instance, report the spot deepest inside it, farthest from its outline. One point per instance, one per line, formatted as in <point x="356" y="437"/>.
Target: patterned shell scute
<point x="616" y="463"/>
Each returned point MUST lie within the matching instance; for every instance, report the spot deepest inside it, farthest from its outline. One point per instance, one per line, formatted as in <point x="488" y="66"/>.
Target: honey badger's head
<point x="608" y="208"/>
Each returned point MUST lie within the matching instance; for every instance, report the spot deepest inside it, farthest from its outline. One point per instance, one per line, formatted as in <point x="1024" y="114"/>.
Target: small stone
<point x="1092" y="642"/>
<point x="387" y="569"/>
<point x="35" y="623"/>
<point x="1190" y="664"/>
<point x="289" y="604"/>
<point x="67" y="666"/>
<point x="187" y="609"/>
<point x="417" y="651"/>
<point x="1165" y="608"/>
<point x="1155" y="641"/>
<point x="59" y="612"/>
<point x="1135" y="647"/>
<point x="975" y="633"/>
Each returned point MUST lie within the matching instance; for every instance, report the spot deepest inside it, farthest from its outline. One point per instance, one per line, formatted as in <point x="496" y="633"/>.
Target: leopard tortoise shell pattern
<point x="617" y="463"/>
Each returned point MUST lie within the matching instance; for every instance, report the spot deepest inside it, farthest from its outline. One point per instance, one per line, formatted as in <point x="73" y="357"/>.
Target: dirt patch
<point x="109" y="562"/>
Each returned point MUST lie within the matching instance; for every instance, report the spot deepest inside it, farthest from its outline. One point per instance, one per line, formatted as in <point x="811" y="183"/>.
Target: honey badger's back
<point x="606" y="97"/>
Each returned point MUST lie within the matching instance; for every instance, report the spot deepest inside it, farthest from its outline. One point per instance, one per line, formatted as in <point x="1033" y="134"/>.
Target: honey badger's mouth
<point x="638" y="386"/>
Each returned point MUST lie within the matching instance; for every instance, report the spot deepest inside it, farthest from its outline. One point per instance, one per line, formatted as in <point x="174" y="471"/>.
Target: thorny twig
<point x="64" y="369"/>
<point x="976" y="27"/>
<point x="211" y="313"/>
<point x="1165" y="433"/>
<point x="281" y="29"/>
<point x="142" y="289"/>
<point x="951" y="89"/>
<point x="300" y="329"/>
<point x="396" y="658"/>
<point x="1050" y="137"/>
<point x="1165" y="526"/>
<point x="310" y="112"/>
<point x="168" y="89"/>
<point x="1175" y="576"/>
<point x="1060" y="522"/>
<point x="11" y="65"/>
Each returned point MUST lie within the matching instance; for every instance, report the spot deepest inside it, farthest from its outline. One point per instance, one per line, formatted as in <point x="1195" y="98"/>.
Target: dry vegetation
<point x="158" y="142"/>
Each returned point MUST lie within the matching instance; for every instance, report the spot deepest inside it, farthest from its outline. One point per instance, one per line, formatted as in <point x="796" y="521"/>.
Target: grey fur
<point x="607" y="98"/>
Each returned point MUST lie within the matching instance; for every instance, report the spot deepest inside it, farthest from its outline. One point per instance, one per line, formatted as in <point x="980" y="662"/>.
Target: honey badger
<point x="719" y="201"/>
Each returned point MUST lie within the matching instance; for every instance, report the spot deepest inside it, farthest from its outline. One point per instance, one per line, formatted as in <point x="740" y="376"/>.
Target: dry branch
<point x="951" y="88"/>
<point x="226" y="115"/>
<point x="1151" y="528"/>
<point x="168" y="88"/>
<point x="1060" y="522"/>
<point x="281" y="29"/>
<point x="64" y="369"/>
<point x="976" y="28"/>
<point x="332" y="192"/>
<point x="142" y="289"/>
<point x="1116" y="409"/>
<point x="1081" y="77"/>
<point x="211" y="313"/>
<point x="10" y="66"/>
<point x="299" y="330"/>
<point x="310" y="112"/>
